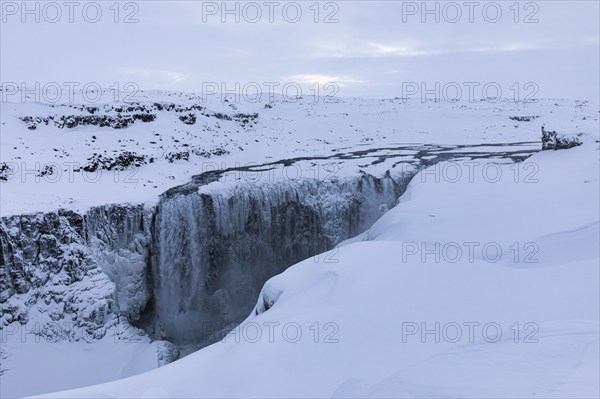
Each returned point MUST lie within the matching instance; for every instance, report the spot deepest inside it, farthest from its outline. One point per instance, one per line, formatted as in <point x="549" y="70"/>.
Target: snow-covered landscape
<point x="170" y="243"/>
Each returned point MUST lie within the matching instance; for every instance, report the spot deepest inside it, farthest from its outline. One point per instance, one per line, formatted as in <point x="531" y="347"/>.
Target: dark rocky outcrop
<point x="188" y="119"/>
<point x="72" y="121"/>
<point x="122" y="116"/>
<point x="122" y="161"/>
<point x="201" y="152"/>
<point x="523" y="118"/>
<point x="4" y="171"/>
<point x="551" y="140"/>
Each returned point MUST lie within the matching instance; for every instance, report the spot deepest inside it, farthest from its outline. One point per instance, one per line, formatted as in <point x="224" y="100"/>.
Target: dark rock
<point x="121" y="162"/>
<point x="4" y="171"/>
<point x="177" y="156"/>
<point x="188" y="119"/>
<point x="551" y="140"/>
<point x="523" y="118"/>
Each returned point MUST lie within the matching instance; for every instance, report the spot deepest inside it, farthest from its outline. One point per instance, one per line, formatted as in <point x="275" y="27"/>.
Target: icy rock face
<point x="551" y="140"/>
<point x="214" y="248"/>
<point x="46" y="269"/>
<point x="67" y="276"/>
<point x="118" y="236"/>
<point x="166" y="352"/>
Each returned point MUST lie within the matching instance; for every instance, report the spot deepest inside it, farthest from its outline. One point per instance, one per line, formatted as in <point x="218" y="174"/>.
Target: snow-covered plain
<point x="351" y="323"/>
<point x="283" y="128"/>
<point x="348" y="323"/>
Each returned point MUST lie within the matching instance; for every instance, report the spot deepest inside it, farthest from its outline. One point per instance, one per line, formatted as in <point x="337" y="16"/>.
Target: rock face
<point x="70" y="277"/>
<point x="213" y="249"/>
<point x="47" y="271"/>
<point x="118" y="237"/>
<point x="551" y="140"/>
<point x="166" y="352"/>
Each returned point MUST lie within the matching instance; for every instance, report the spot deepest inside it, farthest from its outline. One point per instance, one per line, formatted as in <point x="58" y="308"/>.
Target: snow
<point x="535" y="324"/>
<point x="84" y="363"/>
<point x="307" y="127"/>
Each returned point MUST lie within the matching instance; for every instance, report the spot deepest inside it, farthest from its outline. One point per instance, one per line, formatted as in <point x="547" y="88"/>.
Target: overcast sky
<point x="372" y="49"/>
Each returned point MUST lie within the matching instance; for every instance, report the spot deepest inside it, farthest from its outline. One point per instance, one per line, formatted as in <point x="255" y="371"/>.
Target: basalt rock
<point x="551" y="140"/>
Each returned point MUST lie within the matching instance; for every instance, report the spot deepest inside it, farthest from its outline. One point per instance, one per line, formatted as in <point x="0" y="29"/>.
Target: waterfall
<point x="213" y="248"/>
